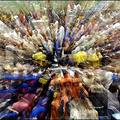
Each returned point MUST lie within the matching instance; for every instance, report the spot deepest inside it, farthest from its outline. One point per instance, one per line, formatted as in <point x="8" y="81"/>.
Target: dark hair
<point x="81" y="65"/>
<point x="76" y="74"/>
<point x="113" y="88"/>
<point x="64" y="72"/>
<point x="53" y="75"/>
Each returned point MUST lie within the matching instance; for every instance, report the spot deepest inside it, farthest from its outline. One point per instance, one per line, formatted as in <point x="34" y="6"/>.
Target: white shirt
<point x="108" y="77"/>
<point x="111" y="27"/>
<point x="113" y="102"/>
<point x="61" y="34"/>
<point x="56" y="28"/>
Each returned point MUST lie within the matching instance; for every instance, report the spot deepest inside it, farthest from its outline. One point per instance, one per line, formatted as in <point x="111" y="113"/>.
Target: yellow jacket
<point x="79" y="57"/>
<point x="82" y="56"/>
<point x="39" y="56"/>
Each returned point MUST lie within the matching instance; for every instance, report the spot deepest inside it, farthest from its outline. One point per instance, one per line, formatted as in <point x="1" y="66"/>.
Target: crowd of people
<point x="62" y="64"/>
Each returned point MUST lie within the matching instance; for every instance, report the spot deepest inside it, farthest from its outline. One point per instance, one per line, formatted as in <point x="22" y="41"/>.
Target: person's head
<point x="76" y="74"/>
<point x="3" y="87"/>
<point x="53" y="75"/>
<point x="113" y="88"/>
<point x="65" y="73"/>
<point x="20" y="81"/>
<point x="35" y="70"/>
<point x="82" y="65"/>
